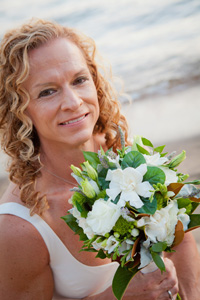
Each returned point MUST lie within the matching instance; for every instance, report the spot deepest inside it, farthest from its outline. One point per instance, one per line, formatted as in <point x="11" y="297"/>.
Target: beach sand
<point x="172" y="120"/>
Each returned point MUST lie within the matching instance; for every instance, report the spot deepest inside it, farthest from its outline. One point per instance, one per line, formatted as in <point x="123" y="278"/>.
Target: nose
<point x="70" y="99"/>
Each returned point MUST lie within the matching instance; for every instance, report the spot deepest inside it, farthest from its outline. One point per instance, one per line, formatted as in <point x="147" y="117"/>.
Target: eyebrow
<point x="50" y="82"/>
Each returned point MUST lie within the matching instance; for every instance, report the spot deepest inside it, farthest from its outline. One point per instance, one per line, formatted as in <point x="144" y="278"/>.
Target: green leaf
<point x="163" y="154"/>
<point x="70" y="220"/>
<point x="178" y="297"/>
<point x="101" y="179"/>
<point x="149" y="207"/>
<point x="154" y="175"/>
<point x="88" y="250"/>
<point x="158" y="261"/>
<point x="142" y="150"/>
<point x="194" y="221"/>
<point x="92" y="157"/>
<point x="101" y="254"/>
<point x="185" y="203"/>
<point x="133" y="159"/>
<point x="102" y="194"/>
<point x="79" y="207"/>
<point x="159" y="247"/>
<point x="194" y="206"/>
<point x="159" y="149"/>
<point x="146" y="142"/>
<point x="121" y="280"/>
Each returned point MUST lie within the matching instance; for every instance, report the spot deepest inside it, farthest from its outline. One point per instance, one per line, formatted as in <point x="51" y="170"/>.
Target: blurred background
<point x="153" y="47"/>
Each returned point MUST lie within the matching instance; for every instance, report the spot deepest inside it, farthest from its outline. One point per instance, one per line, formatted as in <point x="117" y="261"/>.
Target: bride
<point x="55" y="103"/>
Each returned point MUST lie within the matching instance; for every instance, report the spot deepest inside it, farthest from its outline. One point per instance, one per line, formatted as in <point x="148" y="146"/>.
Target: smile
<point x="74" y="121"/>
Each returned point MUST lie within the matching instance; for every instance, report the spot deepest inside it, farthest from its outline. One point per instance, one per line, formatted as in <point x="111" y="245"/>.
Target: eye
<point x="80" y="80"/>
<point x="46" y="93"/>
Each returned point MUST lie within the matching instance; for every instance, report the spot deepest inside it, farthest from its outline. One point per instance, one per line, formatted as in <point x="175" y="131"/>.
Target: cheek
<point x="97" y="109"/>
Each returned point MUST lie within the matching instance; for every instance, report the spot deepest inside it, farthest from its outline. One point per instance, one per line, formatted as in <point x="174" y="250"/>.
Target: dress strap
<point x="44" y="229"/>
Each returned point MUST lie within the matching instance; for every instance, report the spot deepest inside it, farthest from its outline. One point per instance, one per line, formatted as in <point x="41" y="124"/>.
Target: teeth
<point x="73" y="121"/>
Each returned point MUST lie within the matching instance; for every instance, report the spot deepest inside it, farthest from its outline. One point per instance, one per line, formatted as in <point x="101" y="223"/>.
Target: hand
<point x="154" y="286"/>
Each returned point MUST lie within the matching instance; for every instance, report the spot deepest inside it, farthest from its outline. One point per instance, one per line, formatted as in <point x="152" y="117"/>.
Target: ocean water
<point x="153" y="46"/>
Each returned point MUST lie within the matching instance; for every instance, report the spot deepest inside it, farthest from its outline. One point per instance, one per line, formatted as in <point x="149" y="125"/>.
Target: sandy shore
<point x="173" y="120"/>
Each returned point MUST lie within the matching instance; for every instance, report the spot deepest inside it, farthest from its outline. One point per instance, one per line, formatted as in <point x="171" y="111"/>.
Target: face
<point x="63" y="99"/>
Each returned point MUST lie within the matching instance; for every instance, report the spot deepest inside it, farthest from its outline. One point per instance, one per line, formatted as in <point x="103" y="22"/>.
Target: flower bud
<point x="77" y="197"/>
<point x="87" y="188"/>
<point x="104" y="243"/>
<point x="76" y="171"/>
<point x="116" y="234"/>
<point x="137" y="139"/>
<point x="90" y="170"/>
<point x="177" y="160"/>
<point x="135" y="232"/>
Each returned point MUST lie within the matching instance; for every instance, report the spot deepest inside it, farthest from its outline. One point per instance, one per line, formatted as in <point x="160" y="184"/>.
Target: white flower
<point x="86" y="228"/>
<point x="126" y="245"/>
<point x="129" y="183"/>
<point x="145" y="257"/>
<point x="111" y="244"/>
<point x="155" y="160"/>
<point x="96" y="245"/>
<point x="74" y="211"/>
<point x="82" y="222"/>
<point x="170" y="175"/>
<point x="184" y="218"/>
<point x="161" y="226"/>
<point x="103" y="216"/>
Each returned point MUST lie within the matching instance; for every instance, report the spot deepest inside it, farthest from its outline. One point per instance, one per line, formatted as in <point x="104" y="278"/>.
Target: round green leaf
<point x="133" y="159"/>
<point x="154" y="175"/>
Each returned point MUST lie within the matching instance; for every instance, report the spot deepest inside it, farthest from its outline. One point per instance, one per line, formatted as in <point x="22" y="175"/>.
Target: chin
<point x="82" y="138"/>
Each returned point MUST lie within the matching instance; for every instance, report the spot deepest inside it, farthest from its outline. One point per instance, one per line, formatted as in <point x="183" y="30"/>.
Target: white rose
<point x="82" y="222"/>
<point x="86" y="228"/>
<point x="103" y="216"/>
<point x="160" y="227"/>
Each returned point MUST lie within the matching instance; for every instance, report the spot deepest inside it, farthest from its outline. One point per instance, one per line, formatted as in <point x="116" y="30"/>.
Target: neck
<point x="57" y="160"/>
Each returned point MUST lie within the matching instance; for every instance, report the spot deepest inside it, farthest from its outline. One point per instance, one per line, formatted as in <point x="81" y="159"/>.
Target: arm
<point x="187" y="262"/>
<point x="24" y="262"/>
<point x="182" y="273"/>
<point x="152" y="286"/>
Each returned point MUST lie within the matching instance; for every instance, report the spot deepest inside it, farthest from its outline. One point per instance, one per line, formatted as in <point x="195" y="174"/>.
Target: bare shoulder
<point x="24" y="261"/>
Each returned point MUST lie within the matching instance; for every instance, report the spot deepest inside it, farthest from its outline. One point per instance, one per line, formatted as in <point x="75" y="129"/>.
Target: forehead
<point x="56" y="52"/>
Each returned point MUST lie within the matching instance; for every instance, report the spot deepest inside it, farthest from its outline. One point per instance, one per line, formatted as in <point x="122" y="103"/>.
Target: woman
<point x="54" y="103"/>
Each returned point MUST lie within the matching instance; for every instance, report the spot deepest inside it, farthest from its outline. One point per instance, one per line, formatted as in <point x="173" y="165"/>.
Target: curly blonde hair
<point x="18" y="136"/>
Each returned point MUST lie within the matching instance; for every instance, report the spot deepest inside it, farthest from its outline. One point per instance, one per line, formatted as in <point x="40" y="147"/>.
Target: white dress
<point x="72" y="279"/>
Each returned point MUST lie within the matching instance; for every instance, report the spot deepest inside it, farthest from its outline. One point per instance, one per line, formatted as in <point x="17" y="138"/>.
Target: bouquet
<point x="131" y="206"/>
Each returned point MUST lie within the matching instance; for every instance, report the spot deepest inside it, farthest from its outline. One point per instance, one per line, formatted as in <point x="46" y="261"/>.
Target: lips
<point x="74" y="120"/>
